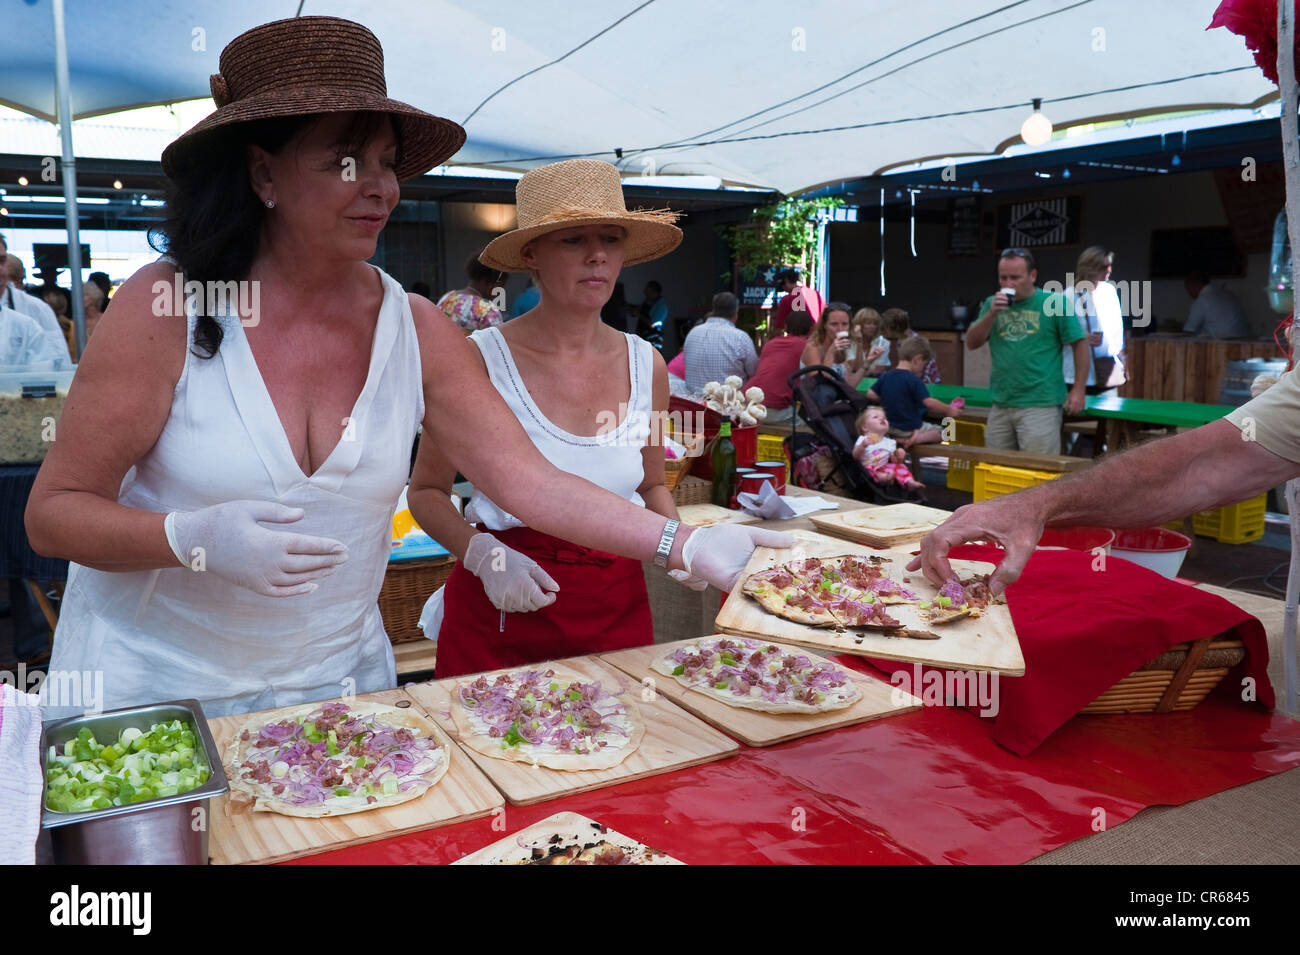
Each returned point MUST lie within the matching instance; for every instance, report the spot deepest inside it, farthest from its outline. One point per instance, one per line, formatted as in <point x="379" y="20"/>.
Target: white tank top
<point x="175" y="633"/>
<point x="611" y="460"/>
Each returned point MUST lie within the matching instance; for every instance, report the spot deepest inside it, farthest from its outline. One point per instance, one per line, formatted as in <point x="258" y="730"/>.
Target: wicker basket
<point x="692" y="490"/>
<point x="1175" y="681"/>
<point x="675" y="468"/>
<point x="406" y="589"/>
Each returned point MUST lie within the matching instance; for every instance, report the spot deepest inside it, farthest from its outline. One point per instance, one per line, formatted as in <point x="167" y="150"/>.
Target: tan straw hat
<point x="580" y="192"/>
<point x="309" y="65"/>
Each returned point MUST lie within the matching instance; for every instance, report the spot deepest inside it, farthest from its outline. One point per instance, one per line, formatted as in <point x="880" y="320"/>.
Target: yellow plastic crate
<point x="961" y="476"/>
<point x="1237" y="523"/>
<point x="969" y="432"/>
<point x="771" y="447"/>
<point x="992" y="480"/>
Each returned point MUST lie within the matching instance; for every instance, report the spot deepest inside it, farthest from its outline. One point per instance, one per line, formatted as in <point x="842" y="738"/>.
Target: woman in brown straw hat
<point x="586" y="394"/>
<point x="226" y="470"/>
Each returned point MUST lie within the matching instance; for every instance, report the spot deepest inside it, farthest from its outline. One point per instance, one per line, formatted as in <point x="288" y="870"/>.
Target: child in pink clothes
<point x="879" y="453"/>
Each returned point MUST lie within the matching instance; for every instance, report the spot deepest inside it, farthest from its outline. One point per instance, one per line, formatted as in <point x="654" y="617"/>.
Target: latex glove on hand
<point x="512" y="581"/>
<point x="689" y="580"/>
<point x="718" y="554"/>
<point x="229" y="541"/>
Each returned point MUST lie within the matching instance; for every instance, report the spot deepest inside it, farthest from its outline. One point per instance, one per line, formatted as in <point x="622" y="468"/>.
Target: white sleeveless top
<point x="611" y="460"/>
<point x="175" y="633"/>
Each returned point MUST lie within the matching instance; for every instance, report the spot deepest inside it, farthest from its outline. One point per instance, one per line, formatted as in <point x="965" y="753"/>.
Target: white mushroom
<point x="714" y="406"/>
<point x="735" y="381"/>
<point x="711" y="389"/>
<point x="747" y="419"/>
<point x="758" y="411"/>
<point x="755" y="395"/>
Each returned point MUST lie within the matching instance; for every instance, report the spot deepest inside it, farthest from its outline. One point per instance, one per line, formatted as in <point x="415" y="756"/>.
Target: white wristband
<point x="169" y="525"/>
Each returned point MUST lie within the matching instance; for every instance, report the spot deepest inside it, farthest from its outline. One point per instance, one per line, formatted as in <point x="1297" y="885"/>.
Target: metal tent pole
<point x="1290" y="92"/>
<point x="71" y="216"/>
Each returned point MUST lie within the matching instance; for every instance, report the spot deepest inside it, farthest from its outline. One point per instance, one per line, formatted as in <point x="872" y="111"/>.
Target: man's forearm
<point x="978" y="333"/>
<point x="1161" y="481"/>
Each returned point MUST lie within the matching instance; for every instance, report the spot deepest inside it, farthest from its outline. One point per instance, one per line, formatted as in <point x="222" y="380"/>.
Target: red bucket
<point x="1157" y="548"/>
<point x="745" y="440"/>
<point x="1077" y="538"/>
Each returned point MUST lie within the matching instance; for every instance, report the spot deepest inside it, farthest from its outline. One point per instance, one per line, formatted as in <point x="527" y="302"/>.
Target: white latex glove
<point x="719" y="553"/>
<point x="687" y="580"/>
<point x="229" y="541"/>
<point x="512" y="581"/>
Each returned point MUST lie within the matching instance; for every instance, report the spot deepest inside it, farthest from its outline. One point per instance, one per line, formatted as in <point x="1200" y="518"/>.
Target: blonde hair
<point x="862" y="418"/>
<point x="860" y="318"/>
<point x="1092" y="262"/>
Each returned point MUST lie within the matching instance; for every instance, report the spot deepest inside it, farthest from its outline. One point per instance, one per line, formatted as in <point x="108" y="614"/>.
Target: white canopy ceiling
<point x="728" y="89"/>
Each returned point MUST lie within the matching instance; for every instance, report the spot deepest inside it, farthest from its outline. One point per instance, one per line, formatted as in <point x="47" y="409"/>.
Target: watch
<point x="666" y="543"/>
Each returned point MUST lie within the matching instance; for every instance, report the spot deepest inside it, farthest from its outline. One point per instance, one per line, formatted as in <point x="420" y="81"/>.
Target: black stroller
<point x="831" y="408"/>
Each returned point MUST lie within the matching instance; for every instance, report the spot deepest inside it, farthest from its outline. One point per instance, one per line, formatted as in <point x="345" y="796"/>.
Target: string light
<point x="1037" y="128"/>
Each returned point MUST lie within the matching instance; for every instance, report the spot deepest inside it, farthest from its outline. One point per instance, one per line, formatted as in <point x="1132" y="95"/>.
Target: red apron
<point x="602" y="605"/>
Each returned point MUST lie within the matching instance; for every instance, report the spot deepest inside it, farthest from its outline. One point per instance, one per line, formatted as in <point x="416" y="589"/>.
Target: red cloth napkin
<point x="1082" y="630"/>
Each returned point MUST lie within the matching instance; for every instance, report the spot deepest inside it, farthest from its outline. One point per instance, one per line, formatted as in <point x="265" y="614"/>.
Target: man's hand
<point x="1075" y="400"/>
<point x="1004" y="521"/>
<point x="1095" y="339"/>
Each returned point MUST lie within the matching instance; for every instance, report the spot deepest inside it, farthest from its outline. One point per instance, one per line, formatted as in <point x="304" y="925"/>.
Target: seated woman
<point x="829" y="344"/>
<point x="867" y="337"/>
<point x="585" y="394"/>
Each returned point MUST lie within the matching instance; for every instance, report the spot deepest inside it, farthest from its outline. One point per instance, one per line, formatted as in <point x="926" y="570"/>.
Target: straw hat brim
<point x="647" y="239"/>
<point x="427" y="140"/>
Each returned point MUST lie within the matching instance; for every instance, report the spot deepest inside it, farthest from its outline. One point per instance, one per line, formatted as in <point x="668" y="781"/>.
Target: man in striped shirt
<point x="717" y="348"/>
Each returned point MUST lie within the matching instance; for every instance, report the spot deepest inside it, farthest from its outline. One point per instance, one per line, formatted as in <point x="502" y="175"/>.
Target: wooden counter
<point x="1172" y="368"/>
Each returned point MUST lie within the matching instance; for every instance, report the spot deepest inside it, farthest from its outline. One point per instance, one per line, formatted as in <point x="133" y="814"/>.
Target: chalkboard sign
<point x="1040" y="223"/>
<point x="1212" y="250"/>
<point x="964" y="226"/>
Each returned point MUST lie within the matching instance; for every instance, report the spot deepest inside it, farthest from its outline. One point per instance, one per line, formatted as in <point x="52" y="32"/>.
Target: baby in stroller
<point x="880" y="454"/>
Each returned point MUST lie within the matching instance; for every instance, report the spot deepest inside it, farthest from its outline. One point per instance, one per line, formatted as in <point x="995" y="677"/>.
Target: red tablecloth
<point x="1085" y="623"/>
<point x="930" y="786"/>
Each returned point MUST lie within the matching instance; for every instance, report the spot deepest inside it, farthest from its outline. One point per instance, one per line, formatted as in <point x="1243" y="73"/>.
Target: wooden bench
<point x="1011" y="459"/>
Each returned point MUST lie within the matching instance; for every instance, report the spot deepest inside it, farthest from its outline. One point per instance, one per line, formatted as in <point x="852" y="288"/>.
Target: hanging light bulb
<point x="1037" y="128"/>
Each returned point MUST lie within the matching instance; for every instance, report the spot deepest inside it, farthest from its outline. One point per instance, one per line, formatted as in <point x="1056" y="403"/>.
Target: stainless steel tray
<point x="157" y="831"/>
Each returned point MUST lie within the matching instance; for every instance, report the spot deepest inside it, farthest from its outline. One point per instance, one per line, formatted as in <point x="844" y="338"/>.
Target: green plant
<point x="780" y="233"/>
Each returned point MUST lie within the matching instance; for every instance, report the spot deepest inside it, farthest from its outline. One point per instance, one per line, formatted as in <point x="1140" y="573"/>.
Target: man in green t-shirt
<point x="1025" y="332"/>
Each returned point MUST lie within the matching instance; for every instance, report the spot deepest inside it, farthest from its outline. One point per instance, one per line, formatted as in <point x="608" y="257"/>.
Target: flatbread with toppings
<point x="568" y="838"/>
<point x="758" y="675"/>
<point x="328" y="759"/>
<point x="841" y="592"/>
<point x="548" y="718"/>
<point x="958" y="599"/>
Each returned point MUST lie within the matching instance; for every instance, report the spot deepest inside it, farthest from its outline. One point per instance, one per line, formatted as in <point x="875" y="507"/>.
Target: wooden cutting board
<point x="570" y="827"/>
<point x="244" y="837"/>
<point x="986" y="643"/>
<point x="889" y="526"/>
<point x="754" y="727"/>
<point x="702" y="515"/>
<point x="673" y="739"/>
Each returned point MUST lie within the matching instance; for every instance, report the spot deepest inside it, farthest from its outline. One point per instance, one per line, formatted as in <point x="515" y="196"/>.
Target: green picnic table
<point x="1121" y="417"/>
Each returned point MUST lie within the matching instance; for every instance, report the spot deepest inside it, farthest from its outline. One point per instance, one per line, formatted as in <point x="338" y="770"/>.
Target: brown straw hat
<point x="580" y="192"/>
<point x="309" y="65"/>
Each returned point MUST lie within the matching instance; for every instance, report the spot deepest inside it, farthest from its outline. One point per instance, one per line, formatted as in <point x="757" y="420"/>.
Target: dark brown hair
<point x="212" y="224"/>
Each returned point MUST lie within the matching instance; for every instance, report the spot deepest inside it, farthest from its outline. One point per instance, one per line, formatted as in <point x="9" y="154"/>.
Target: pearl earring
<point x="270" y="203"/>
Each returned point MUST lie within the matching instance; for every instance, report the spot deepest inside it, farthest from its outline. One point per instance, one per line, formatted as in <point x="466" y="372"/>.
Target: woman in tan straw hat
<point x="237" y="435"/>
<point x="586" y="394"/>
